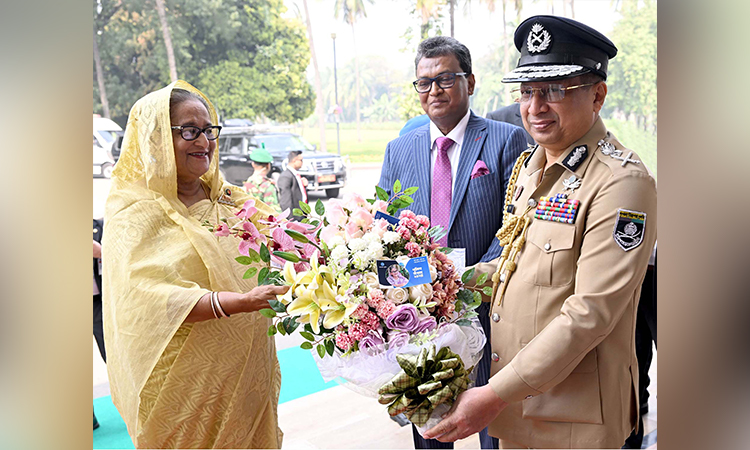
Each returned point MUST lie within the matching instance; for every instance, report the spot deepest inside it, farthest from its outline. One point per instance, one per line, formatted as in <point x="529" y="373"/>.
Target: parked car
<point x="323" y="171"/>
<point x="105" y="134"/>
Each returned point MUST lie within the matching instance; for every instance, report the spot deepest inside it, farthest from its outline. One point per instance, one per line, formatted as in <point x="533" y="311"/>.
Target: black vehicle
<point x="324" y="171"/>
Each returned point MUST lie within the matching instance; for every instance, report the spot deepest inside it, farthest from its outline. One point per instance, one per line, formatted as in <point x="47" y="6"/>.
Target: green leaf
<point x="297" y="212"/>
<point x="307" y="335"/>
<point x="411" y="190"/>
<point x="287" y="256"/>
<point x="321" y="350"/>
<point x="305" y="346"/>
<point x="277" y="306"/>
<point x="467" y="276"/>
<point x="482" y="278"/>
<point x="487" y="290"/>
<point x="381" y="193"/>
<point x="445" y="250"/>
<point x="280" y="327"/>
<point x="305" y="207"/>
<point x="463" y="322"/>
<point x="308" y="328"/>
<point x="396" y="187"/>
<point x="470" y="314"/>
<point x="329" y="347"/>
<point x="407" y="200"/>
<point x="297" y="236"/>
<point x="267" y="312"/>
<point x="320" y="209"/>
<point x="244" y="260"/>
<point x="264" y="255"/>
<point x="477" y="298"/>
<point x="271" y="330"/>
<point x="291" y="325"/>
<point x="249" y="273"/>
<point x="253" y="255"/>
<point x="262" y="275"/>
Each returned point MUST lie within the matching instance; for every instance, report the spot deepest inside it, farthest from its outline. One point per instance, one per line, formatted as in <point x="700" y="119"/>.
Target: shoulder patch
<point x="630" y="227"/>
<point x="576" y="157"/>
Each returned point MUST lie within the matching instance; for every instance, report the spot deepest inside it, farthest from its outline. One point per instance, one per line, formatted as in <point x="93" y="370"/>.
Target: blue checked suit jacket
<point x="477" y="205"/>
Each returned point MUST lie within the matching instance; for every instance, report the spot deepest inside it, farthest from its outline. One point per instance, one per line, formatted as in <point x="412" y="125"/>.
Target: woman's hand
<point x="259" y="296"/>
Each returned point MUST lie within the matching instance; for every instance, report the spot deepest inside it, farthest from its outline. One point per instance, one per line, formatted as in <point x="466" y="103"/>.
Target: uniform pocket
<point x="576" y="399"/>
<point x="551" y="255"/>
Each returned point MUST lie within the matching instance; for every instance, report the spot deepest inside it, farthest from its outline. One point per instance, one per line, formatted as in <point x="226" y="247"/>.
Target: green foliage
<point x="306" y="346"/>
<point x="266" y="312"/>
<point x="632" y="73"/>
<point x="249" y="273"/>
<point x="244" y="56"/>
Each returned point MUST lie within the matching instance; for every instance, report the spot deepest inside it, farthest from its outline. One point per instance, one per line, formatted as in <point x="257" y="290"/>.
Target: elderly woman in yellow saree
<point x="190" y="363"/>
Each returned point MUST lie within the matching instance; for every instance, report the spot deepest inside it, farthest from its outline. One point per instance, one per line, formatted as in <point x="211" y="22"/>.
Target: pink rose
<point x="414" y="249"/>
<point x="406" y="214"/>
<point x="329" y="232"/>
<point x="353" y="200"/>
<point x="380" y="205"/>
<point x="423" y="220"/>
<point x="353" y="231"/>
<point x="335" y="212"/>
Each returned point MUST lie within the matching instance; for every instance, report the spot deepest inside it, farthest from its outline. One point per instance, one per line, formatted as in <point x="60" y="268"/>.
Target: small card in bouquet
<point x="458" y="256"/>
<point x="390" y="219"/>
<point x="414" y="272"/>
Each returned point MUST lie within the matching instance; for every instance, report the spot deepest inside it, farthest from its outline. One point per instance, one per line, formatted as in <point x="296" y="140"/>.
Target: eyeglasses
<point x="444" y="81"/>
<point x="552" y="93"/>
<point x="191" y="133"/>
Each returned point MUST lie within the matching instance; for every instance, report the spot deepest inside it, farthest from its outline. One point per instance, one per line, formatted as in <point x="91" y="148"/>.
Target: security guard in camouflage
<point x="578" y="229"/>
<point x="259" y="185"/>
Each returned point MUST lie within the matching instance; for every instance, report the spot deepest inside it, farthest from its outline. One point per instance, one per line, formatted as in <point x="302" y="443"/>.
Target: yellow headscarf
<point x="153" y="250"/>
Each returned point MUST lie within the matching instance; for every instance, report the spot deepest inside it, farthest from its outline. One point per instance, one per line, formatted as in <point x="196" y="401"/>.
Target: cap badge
<point x="539" y="39"/>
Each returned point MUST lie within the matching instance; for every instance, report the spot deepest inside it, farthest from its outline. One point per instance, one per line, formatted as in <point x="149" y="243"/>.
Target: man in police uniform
<point x="578" y="229"/>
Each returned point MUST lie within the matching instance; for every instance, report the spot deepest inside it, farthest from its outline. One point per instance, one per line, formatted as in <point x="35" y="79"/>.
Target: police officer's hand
<point x="473" y="410"/>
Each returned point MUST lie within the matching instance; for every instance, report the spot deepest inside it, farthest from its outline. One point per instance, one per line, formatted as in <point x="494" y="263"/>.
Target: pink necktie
<point x="442" y="188"/>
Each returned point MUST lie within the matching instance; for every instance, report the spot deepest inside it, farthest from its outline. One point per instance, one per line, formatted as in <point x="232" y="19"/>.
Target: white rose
<point x="360" y="260"/>
<point x="371" y="280"/>
<point x="421" y="293"/>
<point x="336" y="241"/>
<point x="357" y="244"/>
<point x="389" y="237"/>
<point x="339" y="252"/>
<point x="375" y="249"/>
<point x="371" y="238"/>
<point x="396" y="295"/>
<point x="433" y="273"/>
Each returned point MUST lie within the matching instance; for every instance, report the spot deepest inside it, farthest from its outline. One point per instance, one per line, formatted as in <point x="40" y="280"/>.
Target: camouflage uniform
<point x="264" y="189"/>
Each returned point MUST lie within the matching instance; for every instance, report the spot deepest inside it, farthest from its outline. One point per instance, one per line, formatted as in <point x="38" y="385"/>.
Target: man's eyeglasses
<point x="444" y="81"/>
<point x="552" y="93"/>
<point x="191" y="133"/>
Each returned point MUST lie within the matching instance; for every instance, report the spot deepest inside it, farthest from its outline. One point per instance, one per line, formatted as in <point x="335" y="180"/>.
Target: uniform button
<point x="532" y="202"/>
<point x="495" y="357"/>
<point x="547" y="246"/>
<point x="496" y="317"/>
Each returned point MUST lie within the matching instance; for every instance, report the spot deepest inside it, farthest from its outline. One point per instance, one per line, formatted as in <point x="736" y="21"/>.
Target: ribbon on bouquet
<point x="425" y="381"/>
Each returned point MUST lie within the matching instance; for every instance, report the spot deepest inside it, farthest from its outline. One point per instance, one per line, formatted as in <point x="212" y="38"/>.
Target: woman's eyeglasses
<point x="191" y="133"/>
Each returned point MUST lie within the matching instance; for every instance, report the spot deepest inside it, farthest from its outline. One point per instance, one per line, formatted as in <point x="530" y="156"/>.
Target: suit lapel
<point x="421" y="151"/>
<point x="476" y="133"/>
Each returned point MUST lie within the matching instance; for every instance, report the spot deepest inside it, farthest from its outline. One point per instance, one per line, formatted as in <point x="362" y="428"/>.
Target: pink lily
<point x="251" y="238"/>
<point x="248" y="210"/>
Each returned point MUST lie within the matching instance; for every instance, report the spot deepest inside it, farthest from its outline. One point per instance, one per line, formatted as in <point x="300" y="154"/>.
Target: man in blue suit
<point x="461" y="163"/>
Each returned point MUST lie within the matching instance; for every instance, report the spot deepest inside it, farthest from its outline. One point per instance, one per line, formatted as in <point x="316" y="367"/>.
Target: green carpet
<point x="299" y="377"/>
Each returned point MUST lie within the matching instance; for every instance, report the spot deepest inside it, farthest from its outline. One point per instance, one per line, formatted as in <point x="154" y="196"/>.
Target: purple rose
<point x="427" y="323"/>
<point x="397" y="339"/>
<point x="370" y="342"/>
<point x="404" y="318"/>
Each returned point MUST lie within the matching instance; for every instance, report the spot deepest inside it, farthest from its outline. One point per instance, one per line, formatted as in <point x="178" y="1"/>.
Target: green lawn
<point x="375" y="136"/>
<point x="370" y="149"/>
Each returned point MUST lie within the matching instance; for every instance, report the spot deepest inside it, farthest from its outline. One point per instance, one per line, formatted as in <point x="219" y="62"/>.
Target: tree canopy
<point x="247" y="58"/>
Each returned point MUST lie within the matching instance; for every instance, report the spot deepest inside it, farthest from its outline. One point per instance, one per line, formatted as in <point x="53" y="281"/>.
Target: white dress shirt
<point x="454" y="152"/>
<point x="302" y="189"/>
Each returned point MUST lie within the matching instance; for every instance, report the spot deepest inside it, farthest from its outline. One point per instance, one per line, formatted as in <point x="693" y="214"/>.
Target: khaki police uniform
<point x="563" y="326"/>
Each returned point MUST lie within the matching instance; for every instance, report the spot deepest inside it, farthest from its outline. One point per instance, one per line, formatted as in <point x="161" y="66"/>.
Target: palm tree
<point x="103" y="13"/>
<point x="319" y="109"/>
<point x="167" y="39"/>
<point x="429" y="10"/>
<point x="351" y="11"/>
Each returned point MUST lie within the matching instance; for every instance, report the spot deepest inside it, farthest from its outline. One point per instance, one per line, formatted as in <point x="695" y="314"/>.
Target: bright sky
<point x="380" y="32"/>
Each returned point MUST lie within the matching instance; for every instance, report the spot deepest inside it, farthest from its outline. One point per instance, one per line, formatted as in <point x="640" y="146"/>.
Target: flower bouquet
<point x="413" y="346"/>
